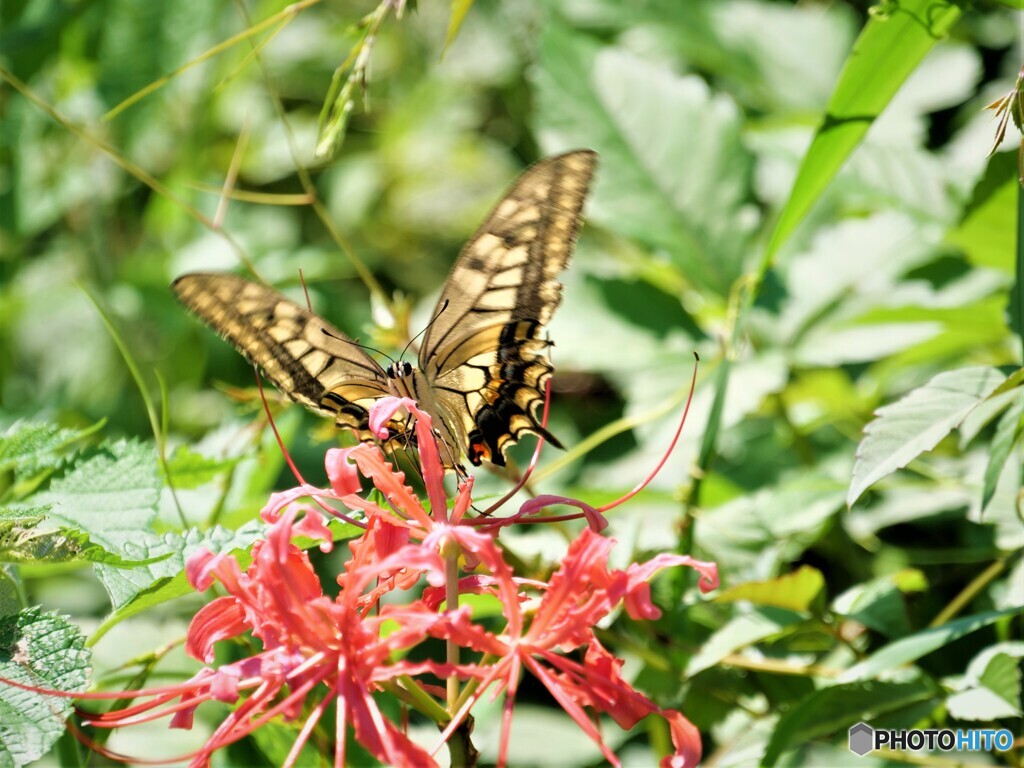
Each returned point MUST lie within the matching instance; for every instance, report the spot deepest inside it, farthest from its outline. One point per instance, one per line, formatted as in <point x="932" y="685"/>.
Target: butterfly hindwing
<point x="304" y="356"/>
<point x="484" y="355"/>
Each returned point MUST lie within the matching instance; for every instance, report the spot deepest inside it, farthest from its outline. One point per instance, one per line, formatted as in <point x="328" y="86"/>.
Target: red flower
<point x="309" y="641"/>
<point x="346" y="649"/>
<point x="581" y="593"/>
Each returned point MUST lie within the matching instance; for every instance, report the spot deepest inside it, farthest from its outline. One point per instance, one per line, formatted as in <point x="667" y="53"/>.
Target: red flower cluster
<point x="346" y="649"/>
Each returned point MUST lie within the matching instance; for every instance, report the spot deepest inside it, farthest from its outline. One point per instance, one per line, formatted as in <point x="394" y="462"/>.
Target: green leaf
<point x="1014" y="380"/>
<point x="878" y="604"/>
<point x="45" y="651"/>
<point x="774" y="524"/>
<point x="797" y="591"/>
<point x="987" y="233"/>
<point x="12" y="594"/>
<point x="1008" y="434"/>
<point x="167" y="554"/>
<point x="459" y="10"/>
<point x="1002" y="677"/>
<point x="135" y="590"/>
<point x="991" y="686"/>
<point x="911" y="648"/>
<point x="746" y="629"/>
<point x="837" y="707"/>
<point x="22" y="541"/>
<point x="673" y="173"/>
<point x="979" y="705"/>
<point x="907" y="428"/>
<point x="28" y="447"/>
<point x="914" y="501"/>
<point x="889" y="48"/>
<point x="540" y="736"/>
<point x="275" y="741"/>
<point x="111" y="495"/>
<point x="957" y="330"/>
<point x="189" y="469"/>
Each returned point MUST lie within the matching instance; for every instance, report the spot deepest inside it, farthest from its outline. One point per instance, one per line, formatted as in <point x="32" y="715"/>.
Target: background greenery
<point x="725" y="220"/>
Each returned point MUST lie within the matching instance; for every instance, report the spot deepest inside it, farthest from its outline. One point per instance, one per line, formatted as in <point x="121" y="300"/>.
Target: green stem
<point x="156" y="422"/>
<point x="451" y="589"/>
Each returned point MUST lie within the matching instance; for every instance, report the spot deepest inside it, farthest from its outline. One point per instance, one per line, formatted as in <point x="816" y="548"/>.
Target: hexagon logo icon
<point x="862" y="739"/>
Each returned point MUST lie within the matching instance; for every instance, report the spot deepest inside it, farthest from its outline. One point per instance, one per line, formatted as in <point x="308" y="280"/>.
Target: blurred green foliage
<point x="810" y="308"/>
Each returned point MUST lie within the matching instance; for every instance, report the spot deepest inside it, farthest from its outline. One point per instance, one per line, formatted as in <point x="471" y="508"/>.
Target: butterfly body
<point x="483" y="362"/>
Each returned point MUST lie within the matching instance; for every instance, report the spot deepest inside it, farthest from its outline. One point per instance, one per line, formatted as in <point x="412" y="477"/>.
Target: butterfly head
<point x="399" y="370"/>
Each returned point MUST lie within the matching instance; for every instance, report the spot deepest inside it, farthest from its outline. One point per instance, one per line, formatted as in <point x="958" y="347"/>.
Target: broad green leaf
<point x="979" y="705"/>
<point x="1007" y="436"/>
<point x="12" y="594"/>
<point x="797" y="591"/>
<point x="837" y="707"/>
<point x="133" y="590"/>
<point x="673" y="173"/>
<point x="889" y="48"/>
<point x="988" y="230"/>
<point x="783" y="59"/>
<point x="756" y="531"/>
<point x="111" y="495"/>
<point x="275" y="741"/>
<point x="911" y="648"/>
<point x="988" y="412"/>
<point x="746" y="629"/>
<point x="1014" y="380"/>
<point x="23" y="541"/>
<point x="28" y="447"/>
<point x="961" y="329"/>
<point x="189" y="469"/>
<point x="857" y="260"/>
<point x="1002" y="677"/>
<point x="860" y="343"/>
<point x="991" y="686"/>
<point x="915" y="424"/>
<point x="169" y="552"/>
<point x="879" y="605"/>
<point x="45" y="651"/>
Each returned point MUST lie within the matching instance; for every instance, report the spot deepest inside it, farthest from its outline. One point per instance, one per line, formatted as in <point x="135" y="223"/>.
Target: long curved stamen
<point x="671" y="446"/>
<point x="334" y="513"/>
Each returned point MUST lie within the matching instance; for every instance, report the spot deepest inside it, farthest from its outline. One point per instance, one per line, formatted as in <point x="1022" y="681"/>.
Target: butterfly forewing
<point x="484" y="356"/>
<point x="304" y="356"/>
<point x="483" y="363"/>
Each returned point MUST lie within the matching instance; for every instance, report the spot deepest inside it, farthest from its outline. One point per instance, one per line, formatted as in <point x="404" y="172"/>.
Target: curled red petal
<point x="217" y="620"/>
<point x="380" y="414"/>
<point x="277" y="503"/>
<point x="685" y="738"/>
<point x="390" y="482"/>
<point x="199" y="568"/>
<point x="638" y="593"/>
<point x="341" y="472"/>
<point x="313" y="526"/>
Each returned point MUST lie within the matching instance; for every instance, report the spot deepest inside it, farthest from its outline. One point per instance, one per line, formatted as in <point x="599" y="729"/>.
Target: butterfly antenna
<point x="407" y="450"/>
<point x="355" y="343"/>
<point x="305" y="290"/>
<point x="426" y="328"/>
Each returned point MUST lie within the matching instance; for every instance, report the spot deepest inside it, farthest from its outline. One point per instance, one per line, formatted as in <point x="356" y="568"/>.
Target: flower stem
<point x="451" y="587"/>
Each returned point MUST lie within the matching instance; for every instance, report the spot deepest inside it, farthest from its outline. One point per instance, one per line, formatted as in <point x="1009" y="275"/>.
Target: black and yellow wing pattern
<point x="304" y="356"/>
<point x="483" y="363"/>
<point x="485" y="356"/>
